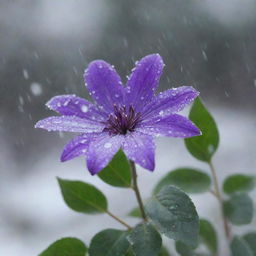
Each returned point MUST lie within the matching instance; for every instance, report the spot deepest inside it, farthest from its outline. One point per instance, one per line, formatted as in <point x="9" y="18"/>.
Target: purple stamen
<point x="122" y="121"/>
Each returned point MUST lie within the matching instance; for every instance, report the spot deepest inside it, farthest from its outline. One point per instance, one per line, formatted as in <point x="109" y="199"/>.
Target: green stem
<point x="220" y="199"/>
<point x="118" y="219"/>
<point x="137" y="191"/>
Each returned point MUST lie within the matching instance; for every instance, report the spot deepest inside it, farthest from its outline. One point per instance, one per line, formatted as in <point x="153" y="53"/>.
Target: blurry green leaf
<point x="202" y="147"/>
<point x="118" y="172"/>
<point x="184" y="250"/>
<point x="135" y="212"/>
<point x="238" y="183"/>
<point x="188" y="179"/>
<point x="173" y="212"/>
<point x="250" y="239"/>
<point x="68" y="246"/>
<point x="109" y="242"/>
<point x="129" y="252"/>
<point x="145" y="240"/>
<point x="164" y="252"/>
<point x="239" y="209"/>
<point x="82" y="197"/>
<point x="240" y="248"/>
<point x="208" y="235"/>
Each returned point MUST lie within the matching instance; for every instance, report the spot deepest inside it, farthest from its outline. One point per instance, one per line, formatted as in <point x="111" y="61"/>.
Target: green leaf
<point x="145" y="240"/>
<point x="240" y="248"/>
<point x="238" y="183"/>
<point x="68" y="246"/>
<point x="118" y="172"/>
<point x="188" y="179"/>
<point x="250" y="239"/>
<point x="173" y="212"/>
<point x="208" y="235"/>
<point x="129" y="252"/>
<point x="164" y="252"/>
<point x="109" y="242"/>
<point x="82" y="197"/>
<point x="239" y="209"/>
<point x="203" y="147"/>
<point x="135" y="212"/>
<point x="184" y="250"/>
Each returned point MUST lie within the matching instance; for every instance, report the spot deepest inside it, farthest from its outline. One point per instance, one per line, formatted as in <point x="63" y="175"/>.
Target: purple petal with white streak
<point x="101" y="150"/>
<point x="77" y="146"/>
<point x="143" y="81"/>
<point x="170" y="101"/>
<point x="104" y="84"/>
<point x="71" y="105"/>
<point x="69" y="124"/>
<point x="171" y="126"/>
<point x="140" y="148"/>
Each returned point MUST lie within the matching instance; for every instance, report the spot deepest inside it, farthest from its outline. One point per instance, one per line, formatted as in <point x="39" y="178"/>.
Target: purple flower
<point x="126" y="117"/>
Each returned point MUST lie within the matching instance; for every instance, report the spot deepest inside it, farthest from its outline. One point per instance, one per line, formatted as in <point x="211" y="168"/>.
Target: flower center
<point x="122" y="120"/>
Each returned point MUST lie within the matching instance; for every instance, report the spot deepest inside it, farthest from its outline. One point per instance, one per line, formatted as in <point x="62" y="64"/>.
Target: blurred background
<point x="44" y="48"/>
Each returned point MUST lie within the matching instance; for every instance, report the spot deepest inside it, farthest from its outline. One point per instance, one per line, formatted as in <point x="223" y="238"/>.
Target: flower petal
<point x="170" y="101"/>
<point x="69" y="124"/>
<point x="172" y="126"/>
<point x="143" y="81"/>
<point x="77" y="146"/>
<point x="140" y="148"/>
<point x="101" y="150"/>
<point x="70" y="105"/>
<point x="104" y="84"/>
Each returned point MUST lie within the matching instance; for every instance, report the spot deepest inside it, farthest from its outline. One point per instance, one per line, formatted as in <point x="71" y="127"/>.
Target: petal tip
<point x="99" y="64"/>
<point x="92" y="166"/>
<point x="92" y="170"/>
<point x="196" y="131"/>
<point x="39" y="124"/>
<point x="199" y="132"/>
<point x="63" y="157"/>
<point x="151" y="167"/>
<point x="156" y="57"/>
<point x="96" y="63"/>
<point x="48" y="104"/>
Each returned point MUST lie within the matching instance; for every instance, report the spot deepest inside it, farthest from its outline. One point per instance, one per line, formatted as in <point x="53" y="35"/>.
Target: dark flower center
<point x="123" y="120"/>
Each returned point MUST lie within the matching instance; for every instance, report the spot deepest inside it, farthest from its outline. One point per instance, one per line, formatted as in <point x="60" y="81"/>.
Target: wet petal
<point x="70" y="105"/>
<point x="104" y="84"/>
<point x="171" y="126"/>
<point x="69" y="124"/>
<point x="144" y="80"/>
<point x="170" y="101"/>
<point x="140" y="148"/>
<point x="101" y="150"/>
<point x="77" y="146"/>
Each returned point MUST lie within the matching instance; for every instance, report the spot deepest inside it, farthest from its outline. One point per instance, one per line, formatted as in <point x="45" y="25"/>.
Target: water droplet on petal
<point x="66" y="103"/>
<point x="84" y="108"/>
<point x="107" y="145"/>
<point x="161" y="113"/>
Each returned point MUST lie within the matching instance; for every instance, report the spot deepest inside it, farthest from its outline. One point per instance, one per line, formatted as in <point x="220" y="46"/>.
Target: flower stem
<point x="137" y="191"/>
<point x="118" y="219"/>
<point x="220" y="199"/>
